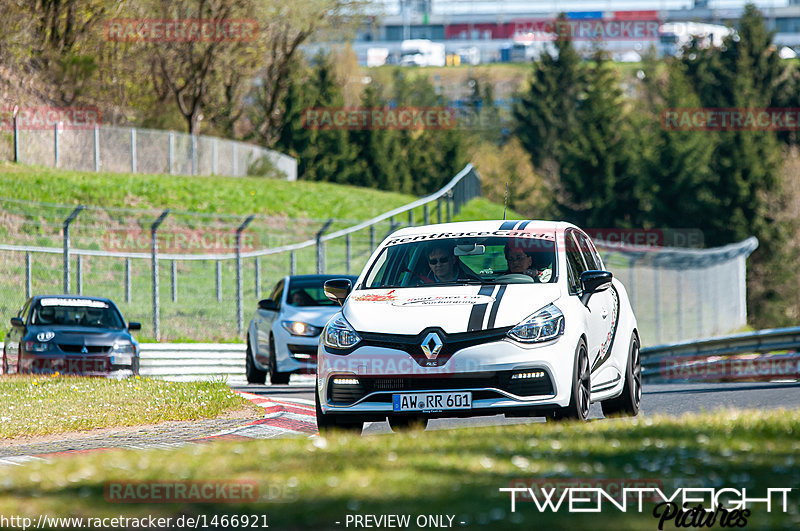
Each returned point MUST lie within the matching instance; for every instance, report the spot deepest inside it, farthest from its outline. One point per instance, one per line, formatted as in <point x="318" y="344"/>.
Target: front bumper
<point x="84" y="365"/>
<point x="295" y="354"/>
<point x="484" y="369"/>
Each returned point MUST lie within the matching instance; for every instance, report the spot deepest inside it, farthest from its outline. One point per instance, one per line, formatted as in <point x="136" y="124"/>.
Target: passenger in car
<point x="519" y="261"/>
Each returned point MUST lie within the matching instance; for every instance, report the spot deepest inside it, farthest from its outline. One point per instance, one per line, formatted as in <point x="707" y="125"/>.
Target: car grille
<point x="412" y="345"/>
<point x="342" y="394"/>
<point x="90" y="349"/>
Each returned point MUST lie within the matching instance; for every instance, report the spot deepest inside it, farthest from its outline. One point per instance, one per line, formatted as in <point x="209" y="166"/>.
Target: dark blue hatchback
<point x="70" y="335"/>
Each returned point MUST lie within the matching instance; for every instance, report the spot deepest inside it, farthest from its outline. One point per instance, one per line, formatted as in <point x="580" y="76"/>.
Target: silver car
<point x="284" y="332"/>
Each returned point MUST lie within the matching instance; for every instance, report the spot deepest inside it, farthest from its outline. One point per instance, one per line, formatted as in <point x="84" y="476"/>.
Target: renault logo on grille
<point x="432" y="345"/>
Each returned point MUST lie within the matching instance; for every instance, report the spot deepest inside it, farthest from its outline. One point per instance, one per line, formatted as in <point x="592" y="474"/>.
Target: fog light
<point x="521" y="375"/>
<point x="345" y="381"/>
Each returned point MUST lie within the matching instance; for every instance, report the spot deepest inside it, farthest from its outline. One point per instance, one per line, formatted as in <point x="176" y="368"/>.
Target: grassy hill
<point x="37" y="200"/>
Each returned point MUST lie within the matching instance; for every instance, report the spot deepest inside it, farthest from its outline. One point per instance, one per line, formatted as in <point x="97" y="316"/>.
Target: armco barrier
<point x="193" y="361"/>
<point x="721" y="358"/>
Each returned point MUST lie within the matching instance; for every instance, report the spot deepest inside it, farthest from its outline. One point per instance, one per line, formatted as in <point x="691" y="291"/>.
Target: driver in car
<point x="445" y="265"/>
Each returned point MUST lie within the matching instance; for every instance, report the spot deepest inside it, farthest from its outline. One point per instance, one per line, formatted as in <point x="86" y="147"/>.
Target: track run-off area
<point x="288" y="411"/>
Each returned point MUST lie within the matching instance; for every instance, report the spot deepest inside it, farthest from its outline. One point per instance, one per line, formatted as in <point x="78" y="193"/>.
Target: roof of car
<point x="320" y="277"/>
<point x="63" y="296"/>
<point x="469" y="226"/>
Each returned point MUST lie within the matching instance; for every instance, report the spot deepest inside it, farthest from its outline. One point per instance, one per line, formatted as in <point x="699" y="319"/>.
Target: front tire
<point x="578" y="408"/>
<point x="253" y="373"/>
<point x="629" y="402"/>
<point x="275" y="377"/>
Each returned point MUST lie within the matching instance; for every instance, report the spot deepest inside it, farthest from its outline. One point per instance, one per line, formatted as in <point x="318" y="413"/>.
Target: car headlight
<point x="124" y="348"/>
<point x="45" y="336"/>
<point x="339" y="334"/>
<point x="299" y="328"/>
<point x="35" y="346"/>
<point x="544" y="325"/>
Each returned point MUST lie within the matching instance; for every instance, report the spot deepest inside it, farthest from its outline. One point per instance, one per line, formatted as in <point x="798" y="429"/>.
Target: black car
<point x="71" y="335"/>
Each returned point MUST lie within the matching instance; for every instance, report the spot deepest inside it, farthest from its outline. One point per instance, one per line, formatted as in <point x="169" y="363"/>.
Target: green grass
<point x="313" y="483"/>
<point x="210" y="194"/>
<point x="296" y="212"/>
<point x="57" y="404"/>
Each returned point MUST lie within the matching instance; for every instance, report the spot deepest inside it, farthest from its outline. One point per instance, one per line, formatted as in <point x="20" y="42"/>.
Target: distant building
<point x="498" y="28"/>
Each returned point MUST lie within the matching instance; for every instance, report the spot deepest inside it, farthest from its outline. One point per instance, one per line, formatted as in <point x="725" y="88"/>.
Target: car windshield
<point x="76" y="312"/>
<point x="309" y="292"/>
<point x="426" y="261"/>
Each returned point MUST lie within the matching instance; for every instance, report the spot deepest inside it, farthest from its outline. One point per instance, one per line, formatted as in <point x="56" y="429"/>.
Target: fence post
<point x="292" y="263"/>
<point x="67" y="222"/>
<point x="239" y="308"/>
<point x="657" y="301"/>
<point x="219" y="281"/>
<point x="235" y="165"/>
<point x="320" y="247"/>
<point x="410" y="218"/>
<point x="347" y="254"/>
<point x="28" y="289"/>
<point x="439" y="210"/>
<point x="154" y="265"/>
<point x="258" y="278"/>
<point x="371" y="238"/>
<point x="96" y="148"/>
<point x="127" y="280"/>
<point x="679" y="303"/>
<point x="449" y="202"/>
<point x="427" y="215"/>
<point x="171" y="152"/>
<point x="80" y="275"/>
<point x="16" y="136"/>
<point x="55" y="143"/>
<point x="174" y="280"/>
<point x="214" y="156"/>
<point x="133" y="150"/>
<point x="194" y="154"/>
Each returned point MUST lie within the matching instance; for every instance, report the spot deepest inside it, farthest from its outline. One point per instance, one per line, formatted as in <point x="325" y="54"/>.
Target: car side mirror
<point x="337" y="289"/>
<point x="17" y="321"/>
<point x="594" y="282"/>
<point x="268" y="304"/>
<point x="134" y="326"/>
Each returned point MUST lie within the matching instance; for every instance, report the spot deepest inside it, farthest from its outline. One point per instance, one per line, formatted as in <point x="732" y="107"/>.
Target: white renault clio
<point x="478" y="318"/>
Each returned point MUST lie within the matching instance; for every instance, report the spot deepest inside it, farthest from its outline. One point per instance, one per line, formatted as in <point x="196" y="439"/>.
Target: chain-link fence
<point x="683" y="294"/>
<point x="127" y="149"/>
<point x="206" y="290"/>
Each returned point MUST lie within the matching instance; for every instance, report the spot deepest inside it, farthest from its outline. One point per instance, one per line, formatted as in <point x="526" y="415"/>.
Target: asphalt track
<point x="666" y="399"/>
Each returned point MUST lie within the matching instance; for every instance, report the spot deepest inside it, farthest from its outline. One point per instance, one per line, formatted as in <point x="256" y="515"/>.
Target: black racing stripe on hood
<point x="479" y="310"/>
<point x="495" y="306"/>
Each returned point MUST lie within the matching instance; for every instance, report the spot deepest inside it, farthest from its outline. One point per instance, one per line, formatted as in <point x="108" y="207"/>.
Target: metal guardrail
<point x="705" y="356"/>
<point x="193" y="361"/>
<point x="718" y="358"/>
